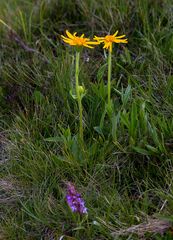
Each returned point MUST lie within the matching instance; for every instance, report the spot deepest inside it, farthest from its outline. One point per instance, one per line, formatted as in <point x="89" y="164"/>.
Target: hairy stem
<point x="109" y="78"/>
<point x="79" y="96"/>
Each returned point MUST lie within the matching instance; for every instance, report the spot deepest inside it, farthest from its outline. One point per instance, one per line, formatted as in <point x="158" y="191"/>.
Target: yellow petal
<point x="85" y="45"/>
<point x="121" y="36"/>
<point x="98" y="38"/>
<point x="68" y="40"/>
<point x="64" y="37"/>
<point x="121" y="41"/>
<point x="92" y="43"/>
<point x="69" y="34"/>
<point x="106" y="45"/>
<point x="115" y="33"/>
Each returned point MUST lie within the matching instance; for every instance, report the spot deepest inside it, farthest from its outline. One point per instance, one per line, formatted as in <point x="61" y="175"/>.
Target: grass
<point x="124" y="169"/>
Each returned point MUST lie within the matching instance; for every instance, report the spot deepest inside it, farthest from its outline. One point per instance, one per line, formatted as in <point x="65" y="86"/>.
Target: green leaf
<point x="38" y="97"/>
<point x="126" y="96"/>
<point x="133" y="121"/>
<point x="74" y="96"/>
<point x="98" y="130"/>
<point x="141" y="150"/>
<point x="125" y="119"/>
<point x="152" y="149"/>
<point x="115" y="120"/>
<point x="101" y="72"/>
<point x="54" y="139"/>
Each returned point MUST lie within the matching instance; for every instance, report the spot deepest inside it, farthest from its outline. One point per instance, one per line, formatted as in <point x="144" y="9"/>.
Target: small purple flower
<point x="74" y="200"/>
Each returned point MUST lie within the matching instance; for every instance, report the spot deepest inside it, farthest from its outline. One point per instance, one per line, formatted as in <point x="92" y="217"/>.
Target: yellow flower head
<point x="110" y="39"/>
<point x="73" y="40"/>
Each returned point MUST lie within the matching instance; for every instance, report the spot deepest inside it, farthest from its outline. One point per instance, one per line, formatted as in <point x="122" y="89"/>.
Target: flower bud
<point x="81" y="90"/>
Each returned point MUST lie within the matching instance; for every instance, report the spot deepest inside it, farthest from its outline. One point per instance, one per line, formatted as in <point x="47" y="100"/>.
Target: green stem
<point x="78" y="96"/>
<point x="109" y="78"/>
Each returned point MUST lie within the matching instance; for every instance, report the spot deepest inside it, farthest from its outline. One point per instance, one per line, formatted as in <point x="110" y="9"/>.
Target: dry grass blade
<point x="3" y="151"/>
<point x="153" y="226"/>
<point x="2" y="236"/>
<point x="15" y="37"/>
<point x="9" y="191"/>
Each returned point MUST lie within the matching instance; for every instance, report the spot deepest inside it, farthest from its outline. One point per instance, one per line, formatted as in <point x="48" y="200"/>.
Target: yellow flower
<point x="110" y="39"/>
<point x="73" y="40"/>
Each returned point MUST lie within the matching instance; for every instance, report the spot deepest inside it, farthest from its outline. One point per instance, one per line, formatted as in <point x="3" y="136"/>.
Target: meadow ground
<point x="124" y="167"/>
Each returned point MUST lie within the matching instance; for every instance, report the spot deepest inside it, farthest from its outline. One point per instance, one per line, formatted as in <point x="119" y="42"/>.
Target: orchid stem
<point x="79" y="96"/>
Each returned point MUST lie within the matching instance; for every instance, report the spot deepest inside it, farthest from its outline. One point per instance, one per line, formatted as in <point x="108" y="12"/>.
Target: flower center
<point x="109" y="38"/>
<point x="80" y="41"/>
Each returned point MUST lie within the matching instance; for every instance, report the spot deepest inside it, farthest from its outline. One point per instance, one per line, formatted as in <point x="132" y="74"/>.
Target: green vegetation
<point x="124" y="168"/>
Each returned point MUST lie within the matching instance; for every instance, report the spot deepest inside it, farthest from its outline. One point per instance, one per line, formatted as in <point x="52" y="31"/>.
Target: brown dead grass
<point x="152" y="226"/>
